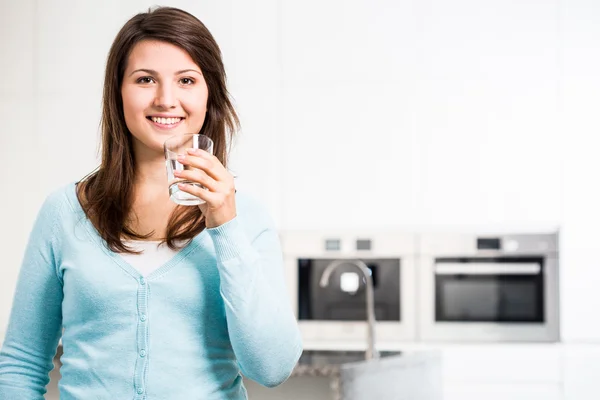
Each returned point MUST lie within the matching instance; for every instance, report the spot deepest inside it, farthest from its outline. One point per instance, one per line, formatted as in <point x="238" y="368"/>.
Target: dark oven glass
<point x="490" y="297"/>
<point x="331" y="303"/>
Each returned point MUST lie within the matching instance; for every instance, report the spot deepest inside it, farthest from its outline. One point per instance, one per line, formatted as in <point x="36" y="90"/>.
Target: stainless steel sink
<point x="323" y="357"/>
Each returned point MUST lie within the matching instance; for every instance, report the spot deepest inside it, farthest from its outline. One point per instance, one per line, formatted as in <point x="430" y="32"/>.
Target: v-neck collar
<point x="116" y="257"/>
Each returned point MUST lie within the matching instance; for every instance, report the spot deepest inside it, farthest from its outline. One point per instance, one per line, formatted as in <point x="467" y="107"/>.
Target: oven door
<point x="492" y="299"/>
<point x="503" y="290"/>
<point x="344" y="299"/>
<point x="337" y="313"/>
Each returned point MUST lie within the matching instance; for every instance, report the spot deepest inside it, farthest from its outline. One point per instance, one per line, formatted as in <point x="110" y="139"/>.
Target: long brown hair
<point x="106" y="194"/>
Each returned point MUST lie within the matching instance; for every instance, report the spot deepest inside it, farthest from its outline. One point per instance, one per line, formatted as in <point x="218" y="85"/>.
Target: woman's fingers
<point x="198" y="176"/>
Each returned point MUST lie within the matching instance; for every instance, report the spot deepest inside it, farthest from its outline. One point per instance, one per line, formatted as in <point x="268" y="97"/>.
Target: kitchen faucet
<point x="364" y="269"/>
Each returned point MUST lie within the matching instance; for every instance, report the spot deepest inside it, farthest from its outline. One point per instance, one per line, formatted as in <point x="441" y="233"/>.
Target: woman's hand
<point x="219" y="194"/>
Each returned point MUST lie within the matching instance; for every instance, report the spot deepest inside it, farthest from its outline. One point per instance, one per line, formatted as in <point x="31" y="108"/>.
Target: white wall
<point x="355" y="113"/>
<point x="16" y="141"/>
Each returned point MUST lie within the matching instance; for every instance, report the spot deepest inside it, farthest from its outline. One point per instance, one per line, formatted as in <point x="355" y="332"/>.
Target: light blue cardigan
<point x="217" y="310"/>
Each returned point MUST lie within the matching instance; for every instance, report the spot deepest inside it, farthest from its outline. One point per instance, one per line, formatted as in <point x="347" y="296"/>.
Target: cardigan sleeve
<point x="262" y="327"/>
<point x="35" y="320"/>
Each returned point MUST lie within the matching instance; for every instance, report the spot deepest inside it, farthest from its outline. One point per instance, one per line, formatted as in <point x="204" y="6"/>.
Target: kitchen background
<point x="410" y="115"/>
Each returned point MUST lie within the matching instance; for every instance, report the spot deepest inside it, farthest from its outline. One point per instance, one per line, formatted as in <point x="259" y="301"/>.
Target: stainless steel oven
<point x="489" y="288"/>
<point x="337" y="313"/>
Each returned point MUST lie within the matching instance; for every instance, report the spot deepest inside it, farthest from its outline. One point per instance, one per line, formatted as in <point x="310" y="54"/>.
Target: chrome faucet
<point x="364" y="269"/>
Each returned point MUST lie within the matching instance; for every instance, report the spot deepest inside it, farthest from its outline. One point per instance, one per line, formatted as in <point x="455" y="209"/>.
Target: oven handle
<point x="480" y="268"/>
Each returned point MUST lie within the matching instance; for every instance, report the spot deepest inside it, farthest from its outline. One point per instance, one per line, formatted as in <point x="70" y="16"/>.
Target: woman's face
<point x="164" y="93"/>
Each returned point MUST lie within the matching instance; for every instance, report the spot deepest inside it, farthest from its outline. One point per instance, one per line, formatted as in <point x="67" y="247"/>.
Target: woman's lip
<point x="165" y="126"/>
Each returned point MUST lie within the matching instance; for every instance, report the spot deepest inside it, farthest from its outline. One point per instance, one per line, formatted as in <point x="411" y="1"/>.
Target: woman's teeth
<point x="165" y="121"/>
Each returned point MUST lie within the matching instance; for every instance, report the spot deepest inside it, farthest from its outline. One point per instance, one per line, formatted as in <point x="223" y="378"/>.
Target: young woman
<point x="153" y="300"/>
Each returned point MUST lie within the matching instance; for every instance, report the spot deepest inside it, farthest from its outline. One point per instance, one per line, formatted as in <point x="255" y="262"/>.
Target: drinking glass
<point x="175" y="146"/>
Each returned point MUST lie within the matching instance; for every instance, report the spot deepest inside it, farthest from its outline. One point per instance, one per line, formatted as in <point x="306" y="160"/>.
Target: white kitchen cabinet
<point x="448" y="121"/>
<point x="503" y="371"/>
<point x="487" y="113"/>
<point x="581" y="368"/>
<point x="251" y="56"/>
<point x="475" y="391"/>
<point x="347" y="108"/>
<point x="580" y="89"/>
<point x="503" y="364"/>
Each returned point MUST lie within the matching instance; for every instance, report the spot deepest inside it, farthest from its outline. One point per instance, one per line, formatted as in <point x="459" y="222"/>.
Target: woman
<point x="153" y="300"/>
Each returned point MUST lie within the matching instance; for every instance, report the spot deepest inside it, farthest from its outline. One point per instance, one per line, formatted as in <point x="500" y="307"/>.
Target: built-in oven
<point x="489" y="288"/>
<point x="333" y="310"/>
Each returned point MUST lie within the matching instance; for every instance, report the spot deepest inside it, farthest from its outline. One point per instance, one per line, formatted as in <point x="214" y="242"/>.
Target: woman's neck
<point x="150" y="170"/>
<point x="151" y="206"/>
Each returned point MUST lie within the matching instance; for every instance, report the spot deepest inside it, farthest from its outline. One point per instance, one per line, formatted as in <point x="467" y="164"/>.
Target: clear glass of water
<point x="178" y="145"/>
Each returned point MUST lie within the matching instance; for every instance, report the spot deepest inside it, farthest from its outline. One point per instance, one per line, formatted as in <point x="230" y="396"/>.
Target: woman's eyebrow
<point x="183" y="71"/>
<point x="153" y="72"/>
<point x="148" y="71"/>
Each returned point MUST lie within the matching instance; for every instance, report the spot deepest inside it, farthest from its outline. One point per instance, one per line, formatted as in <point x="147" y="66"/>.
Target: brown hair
<point x="106" y="194"/>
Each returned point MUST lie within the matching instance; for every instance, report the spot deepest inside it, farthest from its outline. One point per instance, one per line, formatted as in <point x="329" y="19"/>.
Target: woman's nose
<point x="165" y="97"/>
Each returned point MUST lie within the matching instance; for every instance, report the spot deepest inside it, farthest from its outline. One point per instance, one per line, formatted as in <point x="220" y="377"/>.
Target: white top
<point x="152" y="257"/>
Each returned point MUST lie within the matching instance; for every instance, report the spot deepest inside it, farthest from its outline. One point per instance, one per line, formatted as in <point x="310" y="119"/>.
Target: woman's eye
<point x="145" y="79"/>
<point x="186" y="81"/>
